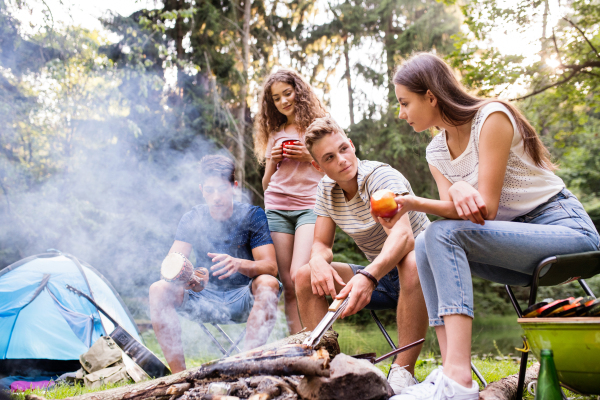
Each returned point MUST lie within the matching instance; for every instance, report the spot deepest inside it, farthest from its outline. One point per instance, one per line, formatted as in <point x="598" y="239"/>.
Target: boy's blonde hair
<point x="318" y="129"/>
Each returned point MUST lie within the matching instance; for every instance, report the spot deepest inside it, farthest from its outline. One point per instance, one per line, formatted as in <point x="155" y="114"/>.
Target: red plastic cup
<point x="287" y="143"/>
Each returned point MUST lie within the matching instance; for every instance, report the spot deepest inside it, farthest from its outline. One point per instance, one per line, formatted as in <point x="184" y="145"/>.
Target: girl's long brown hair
<point x="307" y="108"/>
<point x="425" y="71"/>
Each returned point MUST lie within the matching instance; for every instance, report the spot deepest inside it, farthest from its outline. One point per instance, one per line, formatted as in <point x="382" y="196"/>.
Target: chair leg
<point x="217" y="327"/>
<point x="514" y="301"/>
<point x="382" y="329"/>
<point x="237" y="341"/>
<point x="214" y="339"/>
<point x="522" y="371"/>
<point x="478" y="375"/>
<point x="586" y="288"/>
<point x="533" y="292"/>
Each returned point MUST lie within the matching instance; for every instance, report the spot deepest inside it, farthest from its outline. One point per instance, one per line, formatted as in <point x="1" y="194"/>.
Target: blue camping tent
<point x="44" y="327"/>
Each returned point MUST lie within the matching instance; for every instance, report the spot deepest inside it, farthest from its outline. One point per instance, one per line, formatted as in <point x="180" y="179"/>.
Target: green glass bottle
<point x="548" y="387"/>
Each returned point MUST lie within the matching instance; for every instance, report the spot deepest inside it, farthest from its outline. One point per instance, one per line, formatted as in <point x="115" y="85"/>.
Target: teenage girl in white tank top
<point x="505" y="210"/>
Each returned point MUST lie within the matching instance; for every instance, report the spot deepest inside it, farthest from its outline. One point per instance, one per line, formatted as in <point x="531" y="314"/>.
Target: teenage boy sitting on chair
<point x="343" y="199"/>
<point x="232" y="241"/>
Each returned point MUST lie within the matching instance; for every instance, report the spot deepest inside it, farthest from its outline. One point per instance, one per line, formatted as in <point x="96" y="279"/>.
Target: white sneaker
<point x="399" y="378"/>
<point x="439" y="387"/>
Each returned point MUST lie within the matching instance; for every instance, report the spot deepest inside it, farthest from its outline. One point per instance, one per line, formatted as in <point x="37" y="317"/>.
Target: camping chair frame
<point x="233" y="344"/>
<point x="554" y="271"/>
<point x="394" y="347"/>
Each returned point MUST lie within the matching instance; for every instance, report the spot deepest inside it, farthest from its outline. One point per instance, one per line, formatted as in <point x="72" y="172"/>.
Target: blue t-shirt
<point x="246" y="229"/>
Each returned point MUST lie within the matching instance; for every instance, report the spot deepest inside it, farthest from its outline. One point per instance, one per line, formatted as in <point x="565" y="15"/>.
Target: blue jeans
<point x="506" y="252"/>
<point x="386" y="294"/>
<point x="220" y="306"/>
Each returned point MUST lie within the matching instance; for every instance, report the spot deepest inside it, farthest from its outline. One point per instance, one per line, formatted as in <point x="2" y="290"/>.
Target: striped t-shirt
<point x="354" y="216"/>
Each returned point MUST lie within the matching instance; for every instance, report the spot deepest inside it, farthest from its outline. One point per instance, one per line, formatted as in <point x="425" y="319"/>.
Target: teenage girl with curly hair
<point x="504" y="210"/>
<point x="287" y="107"/>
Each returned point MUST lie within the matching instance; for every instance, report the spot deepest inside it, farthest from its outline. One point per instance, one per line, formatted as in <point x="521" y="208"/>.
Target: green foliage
<point x="561" y="100"/>
<point x="490" y="298"/>
<point x="100" y="139"/>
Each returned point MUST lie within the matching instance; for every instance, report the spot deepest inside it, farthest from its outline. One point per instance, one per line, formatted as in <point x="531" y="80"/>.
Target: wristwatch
<point x="368" y="275"/>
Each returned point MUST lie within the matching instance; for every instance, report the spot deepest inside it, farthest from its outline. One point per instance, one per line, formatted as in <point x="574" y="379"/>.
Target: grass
<point x="61" y="391"/>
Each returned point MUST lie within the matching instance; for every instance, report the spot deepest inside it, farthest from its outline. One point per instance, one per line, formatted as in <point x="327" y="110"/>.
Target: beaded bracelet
<point x="368" y="275"/>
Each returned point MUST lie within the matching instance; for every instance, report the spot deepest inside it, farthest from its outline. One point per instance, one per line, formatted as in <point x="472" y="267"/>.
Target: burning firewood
<point x="285" y="366"/>
<point x="264" y="371"/>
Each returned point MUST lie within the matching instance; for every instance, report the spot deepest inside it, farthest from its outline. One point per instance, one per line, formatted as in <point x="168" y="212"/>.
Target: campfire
<point x="283" y="370"/>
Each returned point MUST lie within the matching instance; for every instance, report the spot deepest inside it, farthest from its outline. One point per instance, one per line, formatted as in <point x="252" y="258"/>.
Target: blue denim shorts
<point x="220" y="306"/>
<point x="386" y="294"/>
<point x="288" y="221"/>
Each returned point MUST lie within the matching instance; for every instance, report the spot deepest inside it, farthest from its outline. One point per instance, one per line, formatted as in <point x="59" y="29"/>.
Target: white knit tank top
<point x="526" y="185"/>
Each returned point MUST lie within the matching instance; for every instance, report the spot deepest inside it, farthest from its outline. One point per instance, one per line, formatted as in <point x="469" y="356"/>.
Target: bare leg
<point x="457" y="363"/>
<point x="411" y="313"/>
<point x="303" y="242"/>
<point x="284" y="242"/>
<point x="165" y="297"/>
<point x="262" y="317"/>
<point x="312" y="306"/>
<point x="440" y="332"/>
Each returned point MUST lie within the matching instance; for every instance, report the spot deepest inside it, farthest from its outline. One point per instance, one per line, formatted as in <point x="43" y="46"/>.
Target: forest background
<point x="101" y="129"/>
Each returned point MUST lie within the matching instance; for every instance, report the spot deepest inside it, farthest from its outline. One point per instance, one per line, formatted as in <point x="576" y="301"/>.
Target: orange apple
<point x="383" y="204"/>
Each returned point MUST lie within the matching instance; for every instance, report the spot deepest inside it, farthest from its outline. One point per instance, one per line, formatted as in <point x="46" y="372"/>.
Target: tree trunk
<point x="349" y="80"/>
<point x="389" y="49"/>
<point x="544" y="25"/>
<point x="506" y="388"/>
<point x="179" y="34"/>
<point x="241" y="130"/>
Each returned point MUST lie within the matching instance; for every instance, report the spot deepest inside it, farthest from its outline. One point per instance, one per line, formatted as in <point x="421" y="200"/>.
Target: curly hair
<point x="307" y="108"/>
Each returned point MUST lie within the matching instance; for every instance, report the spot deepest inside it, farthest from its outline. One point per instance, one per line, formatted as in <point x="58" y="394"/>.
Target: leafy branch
<point x="574" y="69"/>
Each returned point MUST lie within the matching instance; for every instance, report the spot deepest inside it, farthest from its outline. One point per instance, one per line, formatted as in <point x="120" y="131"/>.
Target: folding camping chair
<point x="394" y="347"/>
<point x="554" y="271"/>
<point x="233" y="344"/>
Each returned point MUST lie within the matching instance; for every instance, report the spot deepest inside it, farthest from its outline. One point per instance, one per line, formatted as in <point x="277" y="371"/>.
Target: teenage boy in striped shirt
<point x="343" y="199"/>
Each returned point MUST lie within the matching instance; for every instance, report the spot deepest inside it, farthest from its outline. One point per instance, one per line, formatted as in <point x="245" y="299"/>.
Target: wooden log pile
<point x="272" y="372"/>
<point x="284" y="370"/>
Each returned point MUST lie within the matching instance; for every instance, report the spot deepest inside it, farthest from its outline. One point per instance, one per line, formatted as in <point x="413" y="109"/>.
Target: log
<point x="506" y="388"/>
<point x="178" y="389"/>
<point x="281" y="366"/>
<point x="259" y="396"/>
<point x="350" y="378"/>
<point x="329" y="342"/>
<point x="263" y="360"/>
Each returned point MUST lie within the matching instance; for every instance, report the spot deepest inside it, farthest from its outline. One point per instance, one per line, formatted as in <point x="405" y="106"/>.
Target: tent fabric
<point x="41" y="319"/>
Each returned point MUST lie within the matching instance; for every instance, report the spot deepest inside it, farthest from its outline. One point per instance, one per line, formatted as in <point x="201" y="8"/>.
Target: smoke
<point x="94" y="159"/>
<point x="110" y="207"/>
<point x="264" y="313"/>
<point x="97" y="157"/>
<point x="100" y="159"/>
